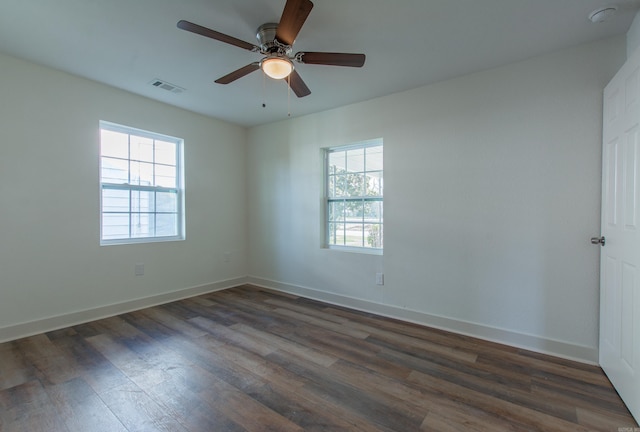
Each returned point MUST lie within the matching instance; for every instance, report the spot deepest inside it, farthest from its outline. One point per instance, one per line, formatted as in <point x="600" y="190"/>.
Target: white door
<point x="620" y="258"/>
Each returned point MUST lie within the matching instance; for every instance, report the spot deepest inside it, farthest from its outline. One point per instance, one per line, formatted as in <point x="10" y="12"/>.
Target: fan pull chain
<point x="289" y="96"/>
<point x="264" y="89"/>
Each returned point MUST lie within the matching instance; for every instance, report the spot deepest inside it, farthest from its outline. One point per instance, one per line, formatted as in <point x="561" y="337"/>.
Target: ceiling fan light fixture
<point x="277" y="67"/>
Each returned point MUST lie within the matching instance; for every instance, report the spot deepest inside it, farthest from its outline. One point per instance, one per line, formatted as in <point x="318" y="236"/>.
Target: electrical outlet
<point x="139" y="269"/>
<point x="379" y="278"/>
<point x="227" y="257"/>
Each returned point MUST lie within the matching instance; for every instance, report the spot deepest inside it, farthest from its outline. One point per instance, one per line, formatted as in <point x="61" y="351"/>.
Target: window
<point x="354" y="196"/>
<point x="140" y="185"/>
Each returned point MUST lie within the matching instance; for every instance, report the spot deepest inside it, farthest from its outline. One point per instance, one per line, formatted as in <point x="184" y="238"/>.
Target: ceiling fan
<point x="276" y="45"/>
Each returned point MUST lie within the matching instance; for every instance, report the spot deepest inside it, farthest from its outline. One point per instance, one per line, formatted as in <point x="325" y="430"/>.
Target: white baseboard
<point x="583" y="354"/>
<point x="57" y="322"/>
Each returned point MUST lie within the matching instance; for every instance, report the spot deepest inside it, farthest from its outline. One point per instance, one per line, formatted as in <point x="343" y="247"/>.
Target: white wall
<point x="51" y="264"/>
<point x="492" y="191"/>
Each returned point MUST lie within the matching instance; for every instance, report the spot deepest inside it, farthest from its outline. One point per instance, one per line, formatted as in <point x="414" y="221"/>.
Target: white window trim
<point x="326" y="243"/>
<point x="179" y="189"/>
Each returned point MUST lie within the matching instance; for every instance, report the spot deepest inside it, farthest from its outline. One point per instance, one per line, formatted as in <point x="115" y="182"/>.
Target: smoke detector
<point x="602" y="14"/>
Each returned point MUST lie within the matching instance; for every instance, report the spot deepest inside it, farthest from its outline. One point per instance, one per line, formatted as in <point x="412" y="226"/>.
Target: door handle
<point x="597" y="240"/>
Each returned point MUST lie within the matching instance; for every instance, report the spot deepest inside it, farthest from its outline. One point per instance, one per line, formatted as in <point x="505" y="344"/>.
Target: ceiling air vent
<point x="166" y="86"/>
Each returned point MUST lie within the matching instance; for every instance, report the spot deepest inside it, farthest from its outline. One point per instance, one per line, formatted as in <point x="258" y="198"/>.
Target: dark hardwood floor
<point x="250" y="359"/>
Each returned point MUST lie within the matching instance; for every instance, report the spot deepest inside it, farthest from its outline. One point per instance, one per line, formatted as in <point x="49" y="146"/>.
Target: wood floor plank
<point x="15" y="368"/>
<point x="434" y="407"/>
<point x="253" y="359"/>
<point x="438" y="336"/>
<point x="27" y="407"/>
<point x="92" y="366"/>
<point x="229" y="335"/>
<point x="416" y="343"/>
<point x="308" y="354"/>
<point x="82" y="409"/>
<point x="579" y="372"/>
<point x="487" y="387"/>
<point x="336" y="410"/>
<point x="603" y="420"/>
<point x="179" y="325"/>
<point x="138" y="412"/>
<point x="426" y="361"/>
<point x="373" y="405"/>
<point x="52" y="364"/>
<point x="521" y="414"/>
<point x="325" y="324"/>
<point x="456" y="420"/>
<point x="251" y="314"/>
<point x="246" y="411"/>
<point x="307" y="415"/>
<point x="305" y="310"/>
<point x="130" y="363"/>
<point x="270" y="373"/>
<point x="558" y="393"/>
<point x="346" y="348"/>
<point x="187" y="406"/>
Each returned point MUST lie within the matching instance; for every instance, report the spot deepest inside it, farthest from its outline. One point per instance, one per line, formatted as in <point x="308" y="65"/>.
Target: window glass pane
<point x="114" y="144"/>
<point x="337" y="163"/>
<point x="114" y="200"/>
<point x="354" y="185"/>
<point x="141" y="148"/>
<point x="142" y="225"/>
<point x="374" y="158"/>
<point x="339" y="186"/>
<point x="336" y="211"/>
<point x="373" y="235"/>
<point x="166" y="176"/>
<point x="373" y="211"/>
<point x="354" y="235"/>
<point x="115" y="171"/>
<point x="373" y="184"/>
<point x="143" y="201"/>
<point x="336" y="234"/>
<point x="355" y="160"/>
<point x="331" y="186"/>
<point x="166" y="225"/>
<point x="354" y="211"/>
<point x="141" y="173"/>
<point x="165" y="153"/>
<point x="115" y="226"/>
<point x="167" y="202"/>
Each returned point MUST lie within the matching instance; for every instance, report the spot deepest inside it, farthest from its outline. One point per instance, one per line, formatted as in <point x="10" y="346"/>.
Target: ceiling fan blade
<point x="331" y="59"/>
<point x="229" y="78"/>
<point x="294" y="15"/>
<point x="198" y="29"/>
<point x="297" y="85"/>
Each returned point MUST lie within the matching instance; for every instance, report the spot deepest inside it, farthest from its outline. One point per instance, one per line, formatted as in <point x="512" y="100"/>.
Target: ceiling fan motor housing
<point x="266" y="35"/>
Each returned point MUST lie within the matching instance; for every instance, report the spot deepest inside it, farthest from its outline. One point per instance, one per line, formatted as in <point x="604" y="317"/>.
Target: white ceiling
<point x="408" y="43"/>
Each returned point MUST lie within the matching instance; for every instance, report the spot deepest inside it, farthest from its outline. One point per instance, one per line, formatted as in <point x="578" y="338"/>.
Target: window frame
<point x="378" y="142"/>
<point x="178" y="190"/>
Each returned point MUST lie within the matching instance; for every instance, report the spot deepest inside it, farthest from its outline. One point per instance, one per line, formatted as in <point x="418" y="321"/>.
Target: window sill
<point x="366" y="251"/>
<point x="140" y="241"/>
